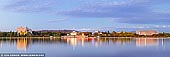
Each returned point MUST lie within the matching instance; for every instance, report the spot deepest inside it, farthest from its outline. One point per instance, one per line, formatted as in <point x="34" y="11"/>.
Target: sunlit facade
<point x="23" y="30"/>
<point x="75" y="34"/>
<point x="146" y="32"/>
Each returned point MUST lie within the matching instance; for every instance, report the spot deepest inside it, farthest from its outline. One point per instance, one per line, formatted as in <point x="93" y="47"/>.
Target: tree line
<point x="90" y="34"/>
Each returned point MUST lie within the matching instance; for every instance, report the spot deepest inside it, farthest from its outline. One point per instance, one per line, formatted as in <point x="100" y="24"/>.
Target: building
<point x="85" y="33"/>
<point x="97" y="33"/>
<point x="23" y="30"/>
<point x="74" y="33"/>
<point x="146" y="32"/>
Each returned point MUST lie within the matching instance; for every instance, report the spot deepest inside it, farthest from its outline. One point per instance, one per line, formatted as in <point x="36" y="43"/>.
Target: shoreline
<point x="86" y="37"/>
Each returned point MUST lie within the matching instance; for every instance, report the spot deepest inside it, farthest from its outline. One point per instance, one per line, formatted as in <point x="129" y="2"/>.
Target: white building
<point x="74" y="33"/>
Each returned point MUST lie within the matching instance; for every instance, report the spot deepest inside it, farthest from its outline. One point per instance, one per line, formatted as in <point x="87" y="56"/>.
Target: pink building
<point x="23" y="30"/>
<point x="146" y="32"/>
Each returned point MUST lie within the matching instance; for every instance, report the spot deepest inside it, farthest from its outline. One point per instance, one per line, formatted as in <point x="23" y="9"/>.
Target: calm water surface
<point x="89" y="47"/>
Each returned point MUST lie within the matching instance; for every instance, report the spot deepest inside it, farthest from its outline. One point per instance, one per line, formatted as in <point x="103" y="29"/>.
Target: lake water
<point x="89" y="47"/>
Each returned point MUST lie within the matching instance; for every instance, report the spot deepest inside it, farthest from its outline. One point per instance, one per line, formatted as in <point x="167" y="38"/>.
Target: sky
<point x="82" y="15"/>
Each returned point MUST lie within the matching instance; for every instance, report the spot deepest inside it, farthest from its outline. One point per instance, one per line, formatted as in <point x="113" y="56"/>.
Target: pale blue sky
<point x="84" y="14"/>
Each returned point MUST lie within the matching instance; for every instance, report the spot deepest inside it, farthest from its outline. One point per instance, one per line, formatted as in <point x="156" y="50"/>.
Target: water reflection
<point x="147" y="42"/>
<point x="24" y="43"/>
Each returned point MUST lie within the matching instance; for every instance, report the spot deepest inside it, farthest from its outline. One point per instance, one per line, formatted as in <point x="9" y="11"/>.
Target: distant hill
<point x="63" y="31"/>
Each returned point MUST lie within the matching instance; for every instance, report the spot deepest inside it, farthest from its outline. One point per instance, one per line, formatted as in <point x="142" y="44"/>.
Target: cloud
<point x="56" y="20"/>
<point x="146" y="19"/>
<point x="109" y="11"/>
<point x="133" y="11"/>
<point x="30" y="5"/>
<point x="125" y="11"/>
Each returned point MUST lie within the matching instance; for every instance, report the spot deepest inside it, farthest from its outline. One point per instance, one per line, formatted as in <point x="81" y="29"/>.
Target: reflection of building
<point x="75" y="41"/>
<point x="23" y="30"/>
<point x="146" y="32"/>
<point x="0" y="43"/>
<point x="72" y="41"/>
<point x="146" y="42"/>
<point x="97" y="42"/>
<point x="22" y="44"/>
